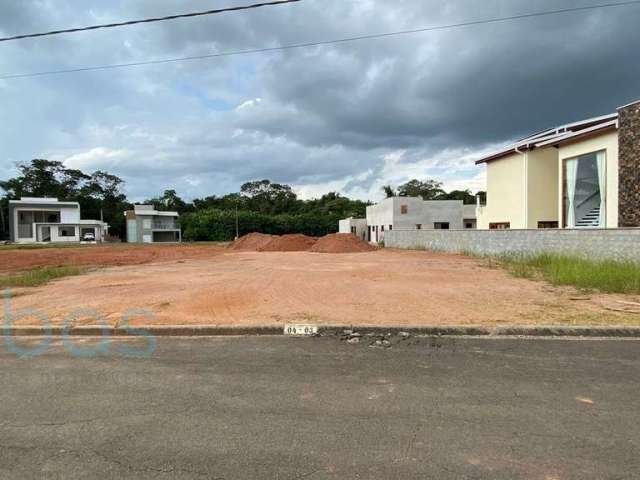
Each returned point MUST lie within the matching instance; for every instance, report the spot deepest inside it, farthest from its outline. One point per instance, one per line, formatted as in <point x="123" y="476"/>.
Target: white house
<point x="411" y="213"/>
<point x="356" y="226"/>
<point x="48" y="220"/>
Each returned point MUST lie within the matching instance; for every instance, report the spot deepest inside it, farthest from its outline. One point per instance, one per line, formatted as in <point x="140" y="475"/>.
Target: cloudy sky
<point x="348" y="117"/>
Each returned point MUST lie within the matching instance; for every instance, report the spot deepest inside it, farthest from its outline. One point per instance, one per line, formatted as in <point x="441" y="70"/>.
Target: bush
<point x="214" y="225"/>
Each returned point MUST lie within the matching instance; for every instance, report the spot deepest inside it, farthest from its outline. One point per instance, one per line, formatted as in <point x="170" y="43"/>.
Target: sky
<point x="350" y="117"/>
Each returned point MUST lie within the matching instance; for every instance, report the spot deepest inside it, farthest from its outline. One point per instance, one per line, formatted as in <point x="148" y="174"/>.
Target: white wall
<point x="542" y="187"/>
<point x="506" y="186"/>
<point x="344" y="226"/>
<point x="55" y="233"/>
<point x="69" y="215"/>
<point x="388" y="214"/>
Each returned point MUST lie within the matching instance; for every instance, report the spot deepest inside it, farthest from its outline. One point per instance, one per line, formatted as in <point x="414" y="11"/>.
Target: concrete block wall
<point x="614" y="244"/>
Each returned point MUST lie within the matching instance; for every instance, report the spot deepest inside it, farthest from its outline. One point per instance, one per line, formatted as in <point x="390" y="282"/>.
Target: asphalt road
<point x="278" y="408"/>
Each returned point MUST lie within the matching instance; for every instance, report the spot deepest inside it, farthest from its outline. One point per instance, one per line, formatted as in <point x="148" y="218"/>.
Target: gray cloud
<point x="351" y="116"/>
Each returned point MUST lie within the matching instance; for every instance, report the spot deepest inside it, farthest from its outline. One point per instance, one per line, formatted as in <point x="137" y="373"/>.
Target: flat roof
<point x="41" y="201"/>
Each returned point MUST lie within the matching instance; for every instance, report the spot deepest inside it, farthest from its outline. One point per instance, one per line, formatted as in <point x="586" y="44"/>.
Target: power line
<point x="149" y="20"/>
<point x="324" y="42"/>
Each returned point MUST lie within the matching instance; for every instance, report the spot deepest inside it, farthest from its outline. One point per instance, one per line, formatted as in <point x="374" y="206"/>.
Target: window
<point x="441" y="225"/>
<point x="419" y="226"/>
<point x="468" y="225"/>
<point x="146" y="224"/>
<point x="66" y="231"/>
<point x="548" y="225"/>
<point x="390" y="227"/>
<point x="404" y="209"/>
<point x="584" y="191"/>
<point x="382" y="228"/>
<point x="500" y="226"/>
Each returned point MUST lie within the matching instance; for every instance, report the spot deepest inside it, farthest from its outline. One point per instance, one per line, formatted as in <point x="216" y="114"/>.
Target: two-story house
<point x="48" y="220"/>
<point x="410" y="213"/>
<point x="145" y="224"/>
<point x="579" y="175"/>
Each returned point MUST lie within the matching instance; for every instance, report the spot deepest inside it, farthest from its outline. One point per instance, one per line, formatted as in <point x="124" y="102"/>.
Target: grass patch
<point x="606" y="276"/>
<point x="39" y="276"/>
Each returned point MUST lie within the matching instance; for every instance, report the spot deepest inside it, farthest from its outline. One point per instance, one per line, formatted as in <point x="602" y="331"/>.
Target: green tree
<point x="389" y="191"/>
<point x="171" y="201"/>
<point x="267" y="197"/>
<point x="428" y="189"/>
<point x="44" y="178"/>
<point x="465" y="195"/>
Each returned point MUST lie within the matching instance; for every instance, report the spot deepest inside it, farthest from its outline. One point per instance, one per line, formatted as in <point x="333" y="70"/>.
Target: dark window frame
<point x="548" y="225"/>
<point x="500" y="226"/>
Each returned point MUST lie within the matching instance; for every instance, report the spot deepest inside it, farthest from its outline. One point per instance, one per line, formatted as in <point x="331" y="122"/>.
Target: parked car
<point x="88" y="237"/>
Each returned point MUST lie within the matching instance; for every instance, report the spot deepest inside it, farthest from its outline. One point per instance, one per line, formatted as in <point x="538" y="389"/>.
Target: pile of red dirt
<point x="336" y="243"/>
<point x="253" y="242"/>
<point x="290" y="243"/>
<point x="341" y="243"/>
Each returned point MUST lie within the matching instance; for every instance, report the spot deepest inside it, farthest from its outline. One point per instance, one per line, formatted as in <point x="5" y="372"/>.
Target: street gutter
<point x="329" y="331"/>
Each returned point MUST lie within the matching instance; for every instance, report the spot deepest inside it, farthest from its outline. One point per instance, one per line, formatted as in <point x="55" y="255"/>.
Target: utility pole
<point x="237" y="222"/>
<point x="2" y="220"/>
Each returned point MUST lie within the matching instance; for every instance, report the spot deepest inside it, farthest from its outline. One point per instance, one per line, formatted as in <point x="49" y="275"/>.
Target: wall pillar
<point x="629" y="165"/>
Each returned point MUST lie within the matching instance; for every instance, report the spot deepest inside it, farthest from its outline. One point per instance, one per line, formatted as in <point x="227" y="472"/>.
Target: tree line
<point x="259" y="206"/>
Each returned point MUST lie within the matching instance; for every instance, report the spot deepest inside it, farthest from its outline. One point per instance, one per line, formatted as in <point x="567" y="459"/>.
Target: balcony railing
<point x="165" y="226"/>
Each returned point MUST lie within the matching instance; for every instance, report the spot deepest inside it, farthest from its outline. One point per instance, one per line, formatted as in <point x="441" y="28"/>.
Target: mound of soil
<point x="253" y="242"/>
<point x="289" y="243"/>
<point x="341" y="243"/>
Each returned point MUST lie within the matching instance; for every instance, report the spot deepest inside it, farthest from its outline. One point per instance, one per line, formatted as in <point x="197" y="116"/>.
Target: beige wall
<point x="505" y="192"/>
<point x="609" y="143"/>
<point x="542" y="181"/>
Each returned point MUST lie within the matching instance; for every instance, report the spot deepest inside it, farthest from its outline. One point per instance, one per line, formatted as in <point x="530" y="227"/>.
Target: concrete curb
<point x="327" y="331"/>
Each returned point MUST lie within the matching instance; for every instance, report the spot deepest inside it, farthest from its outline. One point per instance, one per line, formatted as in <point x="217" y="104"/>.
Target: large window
<point x="584" y="191"/>
<point x="67" y="231"/>
<point x="441" y="225"/>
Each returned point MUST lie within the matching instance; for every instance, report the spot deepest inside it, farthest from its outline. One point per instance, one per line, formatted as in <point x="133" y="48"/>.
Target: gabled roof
<point x="558" y="135"/>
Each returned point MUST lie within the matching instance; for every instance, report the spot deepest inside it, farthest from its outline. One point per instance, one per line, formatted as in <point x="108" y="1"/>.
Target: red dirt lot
<point x="208" y="285"/>
<point x="17" y="259"/>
